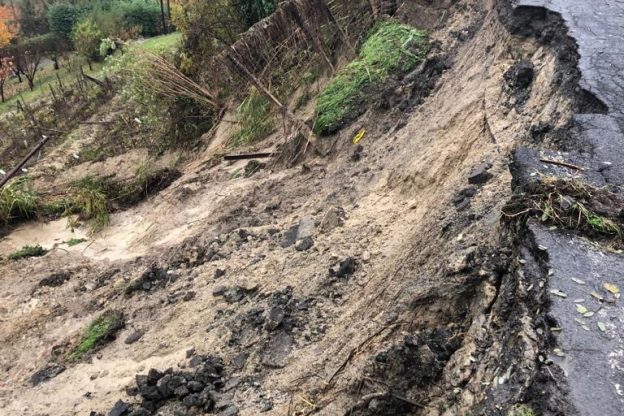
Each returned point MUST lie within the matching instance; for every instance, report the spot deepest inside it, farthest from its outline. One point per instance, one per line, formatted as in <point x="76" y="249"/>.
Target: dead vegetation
<point x="570" y="204"/>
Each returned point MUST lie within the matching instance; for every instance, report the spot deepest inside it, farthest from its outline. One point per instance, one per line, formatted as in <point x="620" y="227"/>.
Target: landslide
<point x="367" y="279"/>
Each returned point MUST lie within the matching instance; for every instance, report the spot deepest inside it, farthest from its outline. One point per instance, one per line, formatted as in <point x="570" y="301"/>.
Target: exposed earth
<point x="387" y="277"/>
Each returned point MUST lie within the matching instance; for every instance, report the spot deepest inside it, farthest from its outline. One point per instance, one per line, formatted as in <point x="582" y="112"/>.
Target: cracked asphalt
<point x="590" y="355"/>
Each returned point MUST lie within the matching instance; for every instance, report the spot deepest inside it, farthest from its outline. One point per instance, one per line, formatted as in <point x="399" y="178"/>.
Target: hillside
<point x="356" y="208"/>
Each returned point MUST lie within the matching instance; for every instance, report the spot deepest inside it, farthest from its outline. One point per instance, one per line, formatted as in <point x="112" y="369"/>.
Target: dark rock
<point x="119" y="408"/>
<point x="181" y="391"/>
<point x="219" y="273"/>
<point x="134" y="337"/>
<point x="132" y="391"/>
<point x="479" y="174"/>
<point x="520" y="75"/>
<point x="163" y="386"/>
<point x="141" y="380"/>
<point x="230" y="411"/>
<point x="150" y="393"/>
<point x="49" y="372"/>
<point x="141" y="411"/>
<point x="188" y="296"/>
<point x="55" y="279"/>
<point x="195" y="386"/>
<point x="267" y="407"/>
<point x="238" y="362"/>
<point x="334" y="217"/>
<point x="356" y="156"/>
<point x="153" y="376"/>
<point x="290" y="236"/>
<point x="275" y="318"/>
<point x="346" y="268"/>
<point x="305" y="244"/>
<point x="234" y="294"/>
<point x="193" y="400"/>
<point x="218" y="291"/>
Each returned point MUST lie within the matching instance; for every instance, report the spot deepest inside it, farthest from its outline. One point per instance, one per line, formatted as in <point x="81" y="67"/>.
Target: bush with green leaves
<point x="27" y="252"/>
<point x="144" y="14"/>
<point x="107" y="47"/>
<point x="62" y="17"/>
<point x="87" y="38"/>
<point x="391" y="47"/>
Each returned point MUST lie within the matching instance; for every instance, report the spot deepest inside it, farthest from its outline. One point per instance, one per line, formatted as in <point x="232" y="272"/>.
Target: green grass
<point x="161" y="44"/>
<point x="28" y="251"/>
<point x="255" y="120"/>
<point x="98" y="331"/>
<point x="88" y="197"/>
<point x="44" y="78"/>
<point x="18" y="200"/>
<point x="75" y="241"/>
<point x="391" y="47"/>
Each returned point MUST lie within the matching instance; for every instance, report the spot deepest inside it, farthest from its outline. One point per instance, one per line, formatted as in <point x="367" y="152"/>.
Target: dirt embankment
<point x="377" y="280"/>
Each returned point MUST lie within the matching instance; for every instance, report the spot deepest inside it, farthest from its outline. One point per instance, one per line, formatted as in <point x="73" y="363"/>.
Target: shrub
<point x="107" y="47"/>
<point x="86" y="37"/>
<point x="144" y="14"/>
<point x="28" y="251"/>
<point x="391" y="47"/>
<point x="88" y="198"/>
<point x="62" y="17"/>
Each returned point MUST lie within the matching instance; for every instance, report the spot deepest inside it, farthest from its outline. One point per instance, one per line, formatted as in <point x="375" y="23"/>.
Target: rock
<point x="153" y="376"/>
<point x="460" y="261"/>
<point x="195" y="386"/>
<point x="188" y="296"/>
<point x="234" y="294"/>
<point x="305" y="244"/>
<point x="219" y="273"/>
<point x="181" y="391"/>
<point x="479" y="174"/>
<point x="193" y="400"/>
<point x="520" y="75"/>
<point x="218" y="291"/>
<point x="305" y="228"/>
<point x="267" y="407"/>
<point x="49" y="372"/>
<point x="334" y="217"/>
<point x="366" y="256"/>
<point x="150" y="393"/>
<point x="275" y="317"/>
<point x="290" y="236"/>
<point x="55" y="279"/>
<point x="134" y="337"/>
<point x="141" y="411"/>
<point x="119" y="408"/>
<point x="230" y="411"/>
<point x="346" y="268"/>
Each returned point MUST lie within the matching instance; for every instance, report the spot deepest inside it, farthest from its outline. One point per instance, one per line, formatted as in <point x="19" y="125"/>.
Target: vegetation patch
<point x="391" y="47"/>
<point x="88" y="197"/>
<point x="18" y="200"/>
<point x="102" y="330"/>
<point x="28" y="251"/>
<point x="75" y="241"/>
<point x="255" y="120"/>
<point x="572" y="205"/>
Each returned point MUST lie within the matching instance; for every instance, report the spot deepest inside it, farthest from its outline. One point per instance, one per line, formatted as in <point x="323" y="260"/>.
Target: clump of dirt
<point x="55" y="279"/>
<point x="152" y="279"/>
<point x="193" y="391"/>
<point x="399" y="376"/>
<point x="572" y="205"/>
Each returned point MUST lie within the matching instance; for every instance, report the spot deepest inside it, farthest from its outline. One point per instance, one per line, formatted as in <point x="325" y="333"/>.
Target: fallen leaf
<point x="558" y="293"/>
<point x="588" y="314"/>
<point x="602" y="326"/>
<point x="579" y="300"/>
<point x="597" y="296"/>
<point x="541" y="247"/>
<point x="579" y="281"/>
<point x="581" y="309"/>
<point x="558" y="352"/>
<point x="611" y="288"/>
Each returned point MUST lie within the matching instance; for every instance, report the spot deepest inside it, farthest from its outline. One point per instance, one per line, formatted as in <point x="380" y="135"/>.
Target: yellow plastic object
<point x="359" y="136"/>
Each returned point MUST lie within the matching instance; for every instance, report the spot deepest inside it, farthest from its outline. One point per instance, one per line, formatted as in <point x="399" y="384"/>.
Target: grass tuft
<point x="18" y="200"/>
<point x="98" y="332"/>
<point x="255" y="119"/>
<point x="391" y="47"/>
<point x="88" y="198"/>
<point x="28" y="251"/>
<point x="75" y="241"/>
<point x="521" y="410"/>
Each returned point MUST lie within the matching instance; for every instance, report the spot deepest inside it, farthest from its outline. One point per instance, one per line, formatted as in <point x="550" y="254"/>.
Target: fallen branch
<point x="564" y="164"/>
<point x="247" y="156"/>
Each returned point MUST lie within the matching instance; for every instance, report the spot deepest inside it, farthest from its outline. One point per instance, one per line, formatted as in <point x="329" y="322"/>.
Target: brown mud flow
<point x="407" y="274"/>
